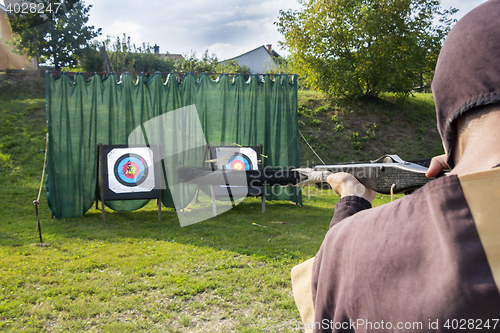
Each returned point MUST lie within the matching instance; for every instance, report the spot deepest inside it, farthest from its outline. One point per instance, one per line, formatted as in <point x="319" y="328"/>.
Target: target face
<point x="235" y="158"/>
<point x="130" y="170"/>
<point x="239" y="162"/>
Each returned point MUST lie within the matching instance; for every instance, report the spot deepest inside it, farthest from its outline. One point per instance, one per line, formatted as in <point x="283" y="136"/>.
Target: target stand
<point x="128" y="173"/>
<point x="236" y="158"/>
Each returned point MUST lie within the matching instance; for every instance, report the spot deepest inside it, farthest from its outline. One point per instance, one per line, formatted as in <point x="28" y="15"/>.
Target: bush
<point x="338" y="128"/>
<point x="315" y="122"/>
<point x="357" y="146"/>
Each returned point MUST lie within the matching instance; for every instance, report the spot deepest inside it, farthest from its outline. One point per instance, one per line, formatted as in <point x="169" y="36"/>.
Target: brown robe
<point x="429" y="261"/>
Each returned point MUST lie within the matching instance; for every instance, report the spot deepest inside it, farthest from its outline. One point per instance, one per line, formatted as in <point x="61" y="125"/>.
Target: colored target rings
<point x="131" y="170"/>
<point x="239" y="162"/>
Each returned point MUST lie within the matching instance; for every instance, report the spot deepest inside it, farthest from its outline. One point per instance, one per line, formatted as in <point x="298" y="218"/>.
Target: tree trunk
<point x="56" y="63"/>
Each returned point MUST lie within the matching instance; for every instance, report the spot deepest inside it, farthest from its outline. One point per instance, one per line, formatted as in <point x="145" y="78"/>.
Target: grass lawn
<point x="135" y="273"/>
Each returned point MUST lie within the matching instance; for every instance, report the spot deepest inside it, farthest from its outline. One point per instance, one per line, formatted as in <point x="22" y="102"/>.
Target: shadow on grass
<point x="285" y="231"/>
<point x="244" y="229"/>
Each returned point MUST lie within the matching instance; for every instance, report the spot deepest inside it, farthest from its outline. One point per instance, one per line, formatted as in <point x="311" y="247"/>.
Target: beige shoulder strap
<point x="302" y="291"/>
<point x="482" y="193"/>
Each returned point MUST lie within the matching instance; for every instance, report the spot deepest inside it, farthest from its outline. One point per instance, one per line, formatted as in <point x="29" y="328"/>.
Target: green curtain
<point x="83" y="113"/>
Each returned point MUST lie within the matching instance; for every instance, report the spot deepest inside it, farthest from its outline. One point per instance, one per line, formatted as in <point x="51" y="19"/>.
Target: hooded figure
<point x="430" y="261"/>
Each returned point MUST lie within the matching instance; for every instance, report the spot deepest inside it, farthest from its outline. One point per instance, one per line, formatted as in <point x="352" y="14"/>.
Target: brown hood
<point x="468" y="69"/>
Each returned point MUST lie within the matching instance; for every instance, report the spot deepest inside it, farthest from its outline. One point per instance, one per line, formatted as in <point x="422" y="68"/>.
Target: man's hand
<point x="345" y="185"/>
<point x="438" y="164"/>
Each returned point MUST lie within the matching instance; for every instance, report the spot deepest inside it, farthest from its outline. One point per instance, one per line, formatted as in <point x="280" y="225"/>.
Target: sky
<point x="226" y="28"/>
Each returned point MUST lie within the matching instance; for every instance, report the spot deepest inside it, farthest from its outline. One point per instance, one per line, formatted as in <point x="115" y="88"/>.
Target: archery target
<point x="236" y="158"/>
<point x="239" y="162"/>
<point x="130" y="170"/>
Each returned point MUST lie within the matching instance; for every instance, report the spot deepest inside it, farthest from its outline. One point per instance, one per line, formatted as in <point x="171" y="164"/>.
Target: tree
<point x="209" y="63"/>
<point x="57" y="30"/>
<point x="126" y="56"/>
<point x="360" y="48"/>
<point x="91" y="59"/>
<point x="283" y="67"/>
<point x="121" y="54"/>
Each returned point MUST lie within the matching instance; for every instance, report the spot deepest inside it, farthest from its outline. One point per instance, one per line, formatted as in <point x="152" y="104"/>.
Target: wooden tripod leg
<point x="158" y="150"/>
<point x="103" y="216"/>
<point x="264" y="201"/>
<point x="159" y="206"/>
<point x="205" y="151"/>
<point x="214" y="207"/>
<point x="97" y="178"/>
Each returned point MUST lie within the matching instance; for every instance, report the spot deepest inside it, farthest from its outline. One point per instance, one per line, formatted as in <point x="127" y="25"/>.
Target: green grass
<point x="140" y="274"/>
<point x="135" y="273"/>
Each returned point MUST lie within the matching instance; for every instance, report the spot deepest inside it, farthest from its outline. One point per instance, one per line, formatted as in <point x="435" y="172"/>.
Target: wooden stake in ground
<point x="37" y="201"/>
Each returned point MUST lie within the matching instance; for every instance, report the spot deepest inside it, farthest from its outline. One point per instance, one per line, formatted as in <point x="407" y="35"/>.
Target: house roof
<point x="272" y="53"/>
<point x="3" y="9"/>
<point x="173" y="56"/>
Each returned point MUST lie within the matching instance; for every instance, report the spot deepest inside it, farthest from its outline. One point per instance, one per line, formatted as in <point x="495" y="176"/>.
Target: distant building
<point x="171" y="55"/>
<point x="9" y="60"/>
<point x="259" y="60"/>
<point x="174" y="56"/>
